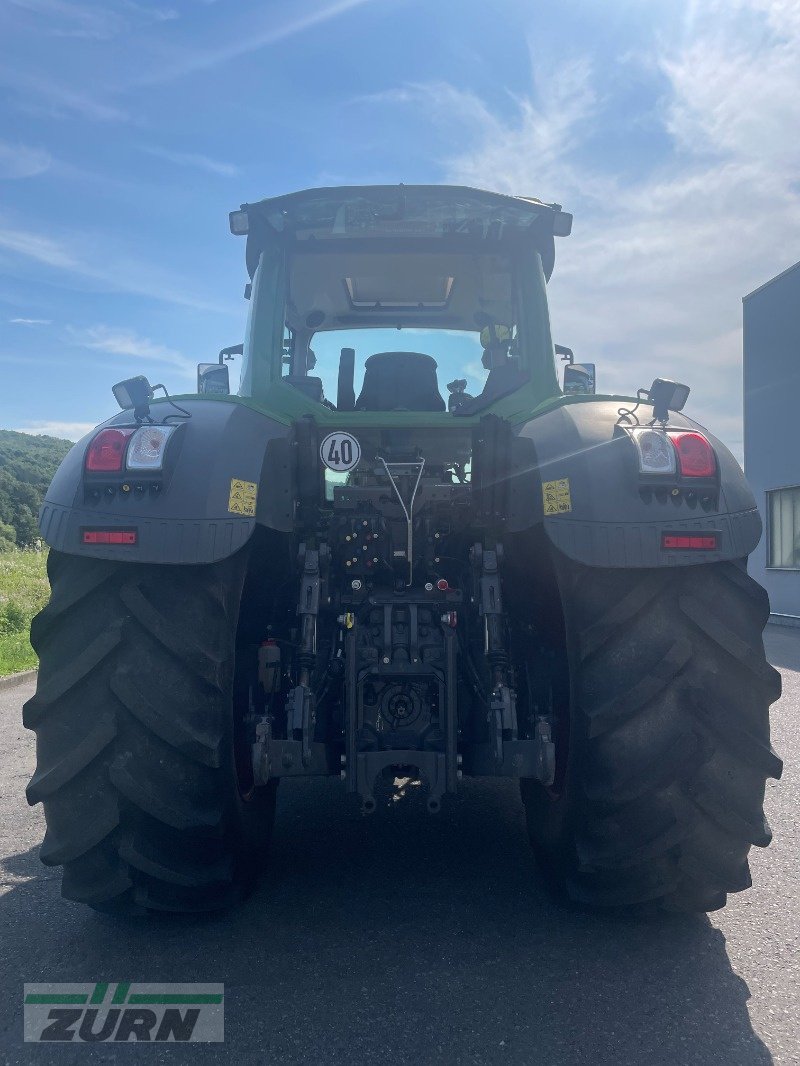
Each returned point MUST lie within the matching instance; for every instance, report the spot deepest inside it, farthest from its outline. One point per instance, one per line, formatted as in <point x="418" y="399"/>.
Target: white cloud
<point x="41" y="249"/>
<point x="652" y="278"/>
<point x="30" y="321"/>
<point x="39" y="94"/>
<point x="65" y="430"/>
<point x="194" y="160"/>
<point x="22" y="161"/>
<point x="126" y="343"/>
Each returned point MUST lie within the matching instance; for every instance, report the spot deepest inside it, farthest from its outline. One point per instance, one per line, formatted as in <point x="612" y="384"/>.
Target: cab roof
<point x="404" y="213"/>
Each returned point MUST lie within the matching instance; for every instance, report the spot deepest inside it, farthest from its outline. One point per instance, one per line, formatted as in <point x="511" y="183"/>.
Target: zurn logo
<point x="124" y="1011"/>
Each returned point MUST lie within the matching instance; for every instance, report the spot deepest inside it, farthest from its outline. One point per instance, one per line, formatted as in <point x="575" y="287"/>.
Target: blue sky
<point x="129" y="129"/>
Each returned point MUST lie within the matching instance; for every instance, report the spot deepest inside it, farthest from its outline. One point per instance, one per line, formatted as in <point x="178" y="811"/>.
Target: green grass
<point x="23" y="592"/>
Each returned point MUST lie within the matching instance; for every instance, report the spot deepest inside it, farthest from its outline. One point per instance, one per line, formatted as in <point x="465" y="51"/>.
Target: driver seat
<point x="400" y="381"/>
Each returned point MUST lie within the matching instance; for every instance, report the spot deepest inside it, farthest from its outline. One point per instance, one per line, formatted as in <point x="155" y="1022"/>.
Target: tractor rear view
<point x="336" y="571"/>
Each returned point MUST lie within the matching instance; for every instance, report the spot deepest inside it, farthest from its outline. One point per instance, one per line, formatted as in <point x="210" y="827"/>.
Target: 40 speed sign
<point x="340" y="452"/>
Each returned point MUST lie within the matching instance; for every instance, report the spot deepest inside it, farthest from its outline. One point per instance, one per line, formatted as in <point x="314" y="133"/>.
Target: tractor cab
<point x="423" y="299"/>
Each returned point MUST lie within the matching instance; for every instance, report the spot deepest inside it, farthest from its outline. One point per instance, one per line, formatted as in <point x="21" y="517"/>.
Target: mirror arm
<point x="228" y="353"/>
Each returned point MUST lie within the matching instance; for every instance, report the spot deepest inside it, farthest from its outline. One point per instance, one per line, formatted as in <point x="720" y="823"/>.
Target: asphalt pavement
<point x="411" y="938"/>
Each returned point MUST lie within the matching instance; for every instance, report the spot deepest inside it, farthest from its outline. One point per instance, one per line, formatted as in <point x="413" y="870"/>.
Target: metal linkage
<point x="502" y="713"/>
<point x="300" y="704"/>
<point x="407" y="511"/>
<point x="273" y="757"/>
<point x="403" y="681"/>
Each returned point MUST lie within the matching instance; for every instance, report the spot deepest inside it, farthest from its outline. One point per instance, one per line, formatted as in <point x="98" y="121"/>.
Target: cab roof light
<point x="239" y="223"/>
<point x="696" y="457"/>
<point x="106" y="451"/>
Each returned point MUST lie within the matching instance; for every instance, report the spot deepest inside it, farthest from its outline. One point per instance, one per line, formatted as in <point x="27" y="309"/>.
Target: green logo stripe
<point x="99" y="993"/>
<point x="121" y="991"/>
<point x="143" y="997"/>
<point x="64" y="997"/>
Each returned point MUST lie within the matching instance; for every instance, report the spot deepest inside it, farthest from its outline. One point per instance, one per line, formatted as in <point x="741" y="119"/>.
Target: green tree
<point x="8" y="537"/>
<point x="27" y="465"/>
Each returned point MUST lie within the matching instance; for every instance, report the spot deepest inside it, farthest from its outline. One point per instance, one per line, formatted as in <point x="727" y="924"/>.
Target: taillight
<point x="106" y="452"/>
<point x="656" y="454"/>
<point x="695" y="455"/>
<point x="147" y="447"/>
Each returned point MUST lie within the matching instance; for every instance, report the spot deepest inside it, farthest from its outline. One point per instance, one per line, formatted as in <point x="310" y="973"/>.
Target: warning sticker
<point x="242" y="499"/>
<point x="556" y="497"/>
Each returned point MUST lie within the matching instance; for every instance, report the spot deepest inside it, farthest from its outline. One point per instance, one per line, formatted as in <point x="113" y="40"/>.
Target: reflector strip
<point x="695" y="541"/>
<point x="110" y="536"/>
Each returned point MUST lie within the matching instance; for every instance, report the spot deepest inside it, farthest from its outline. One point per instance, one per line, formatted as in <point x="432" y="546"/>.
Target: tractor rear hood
<point x="399" y="212"/>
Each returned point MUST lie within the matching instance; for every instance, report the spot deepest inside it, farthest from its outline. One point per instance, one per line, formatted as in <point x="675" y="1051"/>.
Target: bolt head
<point x="355" y="584"/>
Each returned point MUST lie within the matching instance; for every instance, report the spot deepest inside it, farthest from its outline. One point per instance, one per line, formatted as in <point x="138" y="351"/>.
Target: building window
<point x="783" y="523"/>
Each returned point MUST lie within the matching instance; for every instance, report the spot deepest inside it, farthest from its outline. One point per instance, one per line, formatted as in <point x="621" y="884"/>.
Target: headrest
<point x="400" y="381"/>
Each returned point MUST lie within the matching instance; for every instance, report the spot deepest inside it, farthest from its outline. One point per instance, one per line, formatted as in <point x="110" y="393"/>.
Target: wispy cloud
<point x="250" y="39"/>
<point x="651" y="281"/>
<point x="107" y="268"/>
<point x="22" y="161"/>
<point x="127" y="343"/>
<point x="65" y="430"/>
<point x="39" y="94"/>
<point x="41" y="249"/>
<point x="30" y="321"/>
<point x="94" y="21"/>
<point x="192" y="159"/>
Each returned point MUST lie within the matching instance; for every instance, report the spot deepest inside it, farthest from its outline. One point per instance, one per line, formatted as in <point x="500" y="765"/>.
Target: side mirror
<point x="579" y="379"/>
<point x="213" y="380"/>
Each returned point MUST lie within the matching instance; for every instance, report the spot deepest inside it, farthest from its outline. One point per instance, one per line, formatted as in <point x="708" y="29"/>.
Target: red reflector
<point x="698" y="541"/>
<point x="442" y="584"/>
<point x="106" y="452"/>
<point x="110" y="536"/>
<point x="695" y="455"/>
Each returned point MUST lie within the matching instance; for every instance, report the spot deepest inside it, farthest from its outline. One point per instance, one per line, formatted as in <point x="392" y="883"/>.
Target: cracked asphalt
<point x="410" y="938"/>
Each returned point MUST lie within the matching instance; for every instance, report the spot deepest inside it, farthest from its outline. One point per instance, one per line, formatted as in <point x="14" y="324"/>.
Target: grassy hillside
<point x="23" y="592"/>
<point x="27" y="465"/>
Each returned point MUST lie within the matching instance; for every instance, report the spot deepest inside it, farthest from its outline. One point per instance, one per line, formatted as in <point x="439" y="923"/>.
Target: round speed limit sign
<point x="340" y="452"/>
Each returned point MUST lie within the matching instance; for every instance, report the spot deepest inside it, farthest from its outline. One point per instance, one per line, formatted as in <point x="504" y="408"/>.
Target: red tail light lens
<point x="106" y="453"/>
<point x="695" y="455"/>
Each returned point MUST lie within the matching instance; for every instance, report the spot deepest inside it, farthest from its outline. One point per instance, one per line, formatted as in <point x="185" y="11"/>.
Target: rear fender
<point x="227" y="469"/>
<point x="577" y="463"/>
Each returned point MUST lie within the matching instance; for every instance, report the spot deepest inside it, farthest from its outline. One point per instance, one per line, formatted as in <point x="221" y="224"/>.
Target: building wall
<point x="772" y="415"/>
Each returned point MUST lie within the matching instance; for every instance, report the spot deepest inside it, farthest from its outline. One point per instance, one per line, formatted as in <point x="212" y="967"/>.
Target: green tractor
<point x="336" y="571"/>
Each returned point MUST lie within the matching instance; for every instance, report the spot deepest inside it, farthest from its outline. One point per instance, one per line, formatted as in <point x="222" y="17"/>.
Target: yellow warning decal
<point x="556" y="497"/>
<point x="242" y="499"/>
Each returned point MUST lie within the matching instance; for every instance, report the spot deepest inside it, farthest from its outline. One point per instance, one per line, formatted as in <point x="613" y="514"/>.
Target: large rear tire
<point x="141" y="747"/>
<point x="661" y="794"/>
